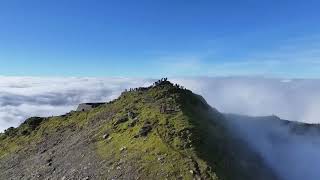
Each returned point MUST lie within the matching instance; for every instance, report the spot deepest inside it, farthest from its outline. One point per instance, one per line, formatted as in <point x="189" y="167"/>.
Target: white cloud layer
<point x="295" y="157"/>
<point x="292" y="99"/>
<point x="292" y="151"/>
<point x="22" y="97"/>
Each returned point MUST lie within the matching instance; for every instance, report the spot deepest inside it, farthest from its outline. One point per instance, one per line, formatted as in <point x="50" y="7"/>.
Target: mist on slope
<point x="293" y="153"/>
<point x="292" y="99"/>
<point x="290" y="149"/>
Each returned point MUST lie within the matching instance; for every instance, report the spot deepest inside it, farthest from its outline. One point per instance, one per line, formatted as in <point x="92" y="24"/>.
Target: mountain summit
<point x="159" y="132"/>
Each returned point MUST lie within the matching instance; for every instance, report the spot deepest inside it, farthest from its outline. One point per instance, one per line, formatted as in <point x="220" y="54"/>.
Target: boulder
<point x="121" y="120"/>
<point x="146" y="128"/>
<point x="123" y="149"/>
<point x="134" y="121"/>
<point x="131" y="115"/>
<point x="105" y="136"/>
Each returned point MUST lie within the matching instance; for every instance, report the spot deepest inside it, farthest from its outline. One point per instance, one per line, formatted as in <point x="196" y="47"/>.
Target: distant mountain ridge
<point x="163" y="131"/>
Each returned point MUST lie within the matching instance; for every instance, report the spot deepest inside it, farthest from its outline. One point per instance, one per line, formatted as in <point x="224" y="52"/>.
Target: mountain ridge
<point x="159" y="131"/>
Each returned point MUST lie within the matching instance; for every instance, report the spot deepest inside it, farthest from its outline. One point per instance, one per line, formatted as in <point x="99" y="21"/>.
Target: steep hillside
<point x="160" y="132"/>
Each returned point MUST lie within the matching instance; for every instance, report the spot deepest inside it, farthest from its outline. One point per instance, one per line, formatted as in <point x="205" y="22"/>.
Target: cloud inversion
<point x="292" y="156"/>
<point x="22" y="97"/>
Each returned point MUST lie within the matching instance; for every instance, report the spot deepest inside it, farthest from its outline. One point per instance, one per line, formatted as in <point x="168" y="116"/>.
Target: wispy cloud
<point x="295" y="57"/>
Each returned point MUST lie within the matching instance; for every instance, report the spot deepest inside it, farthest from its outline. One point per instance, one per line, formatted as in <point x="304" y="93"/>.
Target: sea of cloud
<point x="23" y="97"/>
<point x="293" y="99"/>
<point x="295" y="157"/>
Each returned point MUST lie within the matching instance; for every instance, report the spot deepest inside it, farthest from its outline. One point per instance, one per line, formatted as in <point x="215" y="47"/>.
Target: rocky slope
<point x="160" y="132"/>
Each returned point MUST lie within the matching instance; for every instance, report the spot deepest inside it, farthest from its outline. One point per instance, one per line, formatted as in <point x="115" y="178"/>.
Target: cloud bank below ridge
<point x="23" y="97"/>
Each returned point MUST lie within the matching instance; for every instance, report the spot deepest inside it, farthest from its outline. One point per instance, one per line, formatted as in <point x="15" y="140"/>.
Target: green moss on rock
<point x="185" y="137"/>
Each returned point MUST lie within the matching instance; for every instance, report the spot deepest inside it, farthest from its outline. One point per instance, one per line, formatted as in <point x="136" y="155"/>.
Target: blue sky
<point x="149" y="38"/>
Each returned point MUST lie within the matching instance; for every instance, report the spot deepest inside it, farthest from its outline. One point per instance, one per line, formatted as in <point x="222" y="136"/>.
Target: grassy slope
<point x="190" y="142"/>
